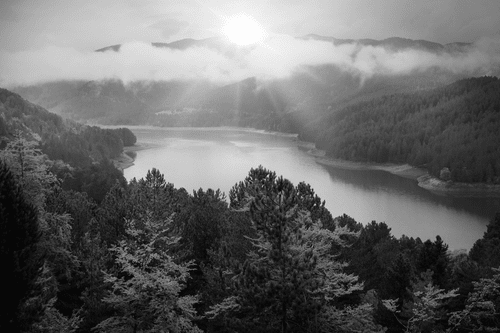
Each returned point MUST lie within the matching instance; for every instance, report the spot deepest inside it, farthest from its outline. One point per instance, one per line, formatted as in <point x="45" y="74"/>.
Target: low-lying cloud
<point x="279" y="57"/>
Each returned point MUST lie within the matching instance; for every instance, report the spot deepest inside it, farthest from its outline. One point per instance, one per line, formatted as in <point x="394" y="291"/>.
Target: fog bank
<point x="278" y="57"/>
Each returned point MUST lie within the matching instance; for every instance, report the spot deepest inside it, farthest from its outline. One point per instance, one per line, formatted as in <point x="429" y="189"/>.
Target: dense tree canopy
<point x="85" y="250"/>
<point x="453" y="127"/>
<point x="19" y="251"/>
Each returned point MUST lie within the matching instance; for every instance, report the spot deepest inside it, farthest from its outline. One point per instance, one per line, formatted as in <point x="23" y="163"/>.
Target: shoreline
<point x="421" y="176"/>
<point x="206" y="128"/>
<point x="479" y="190"/>
<point x="125" y="161"/>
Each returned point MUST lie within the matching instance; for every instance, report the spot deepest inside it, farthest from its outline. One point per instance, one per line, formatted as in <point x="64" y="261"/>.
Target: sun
<point x="243" y="30"/>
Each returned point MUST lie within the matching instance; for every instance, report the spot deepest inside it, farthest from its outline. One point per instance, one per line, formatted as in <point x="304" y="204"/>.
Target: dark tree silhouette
<point x="19" y="255"/>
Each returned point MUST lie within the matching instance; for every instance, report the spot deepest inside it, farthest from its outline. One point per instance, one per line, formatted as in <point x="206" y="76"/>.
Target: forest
<point x="150" y="257"/>
<point x="86" y="251"/>
<point x="453" y="129"/>
<point x="80" y="155"/>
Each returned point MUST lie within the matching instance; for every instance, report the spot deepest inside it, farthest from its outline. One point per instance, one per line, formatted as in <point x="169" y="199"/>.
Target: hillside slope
<point x="73" y="143"/>
<point x="308" y="89"/>
<point x="453" y="128"/>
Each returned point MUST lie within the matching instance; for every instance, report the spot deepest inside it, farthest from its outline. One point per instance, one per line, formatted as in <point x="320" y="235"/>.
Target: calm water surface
<point x="218" y="158"/>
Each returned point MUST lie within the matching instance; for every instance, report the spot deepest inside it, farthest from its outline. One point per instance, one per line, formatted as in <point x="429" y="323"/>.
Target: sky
<point x="84" y="25"/>
<point x="55" y="39"/>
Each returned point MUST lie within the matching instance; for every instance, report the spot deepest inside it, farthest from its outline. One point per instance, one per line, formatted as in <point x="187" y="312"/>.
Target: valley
<point x="286" y="184"/>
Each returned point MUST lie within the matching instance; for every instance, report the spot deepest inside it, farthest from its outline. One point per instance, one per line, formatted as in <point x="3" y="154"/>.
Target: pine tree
<point x="291" y="279"/>
<point x="19" y="252"/>
<point x="151" y="194"/>
<point x="486" y="251"/>
<point x="31" y="169"/>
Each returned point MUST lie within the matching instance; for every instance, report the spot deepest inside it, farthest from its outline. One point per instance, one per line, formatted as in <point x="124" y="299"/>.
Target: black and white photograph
<point x="237" y="166"/>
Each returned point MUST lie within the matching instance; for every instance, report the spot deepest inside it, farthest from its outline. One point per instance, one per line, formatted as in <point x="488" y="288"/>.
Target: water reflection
<point x="381" y="181"/>
<point x="214" y="158"/>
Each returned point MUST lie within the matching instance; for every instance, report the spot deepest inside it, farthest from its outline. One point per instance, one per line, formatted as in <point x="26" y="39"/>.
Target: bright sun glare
<point x="243" y="30"/>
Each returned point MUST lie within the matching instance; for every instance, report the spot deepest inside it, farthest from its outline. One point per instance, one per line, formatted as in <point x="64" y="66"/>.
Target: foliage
<point x="30" y="167"/>
<point x="425" y="308"/>
<point x="111" y="214"/>
<point x="128" y="138"/>
<point x="371" y="254"/>
<point x="153" y="195"/>
<point x="145" y="290"/>
<point x="291" y="276"/>
<point x="19" y="252"/>
<point x="79" y="206"/>
<point x="481" y="309"/>
<point x="349" y="319"/>
<point x="451" y="127"/>
<point x="203" y="221"/>
<point x="53" y="321"/>
<point x="95" y="180"/>
<point x="434" y="256"/>
<point x="486" y="251"/>
<point x="274" y="259"/>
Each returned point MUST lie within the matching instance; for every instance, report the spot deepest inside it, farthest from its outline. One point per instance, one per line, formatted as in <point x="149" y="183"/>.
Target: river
<point x="219" y="158"/>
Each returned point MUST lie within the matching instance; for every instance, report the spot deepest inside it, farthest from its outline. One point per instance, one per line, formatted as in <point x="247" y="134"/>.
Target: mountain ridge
<point x="394" y="43"/>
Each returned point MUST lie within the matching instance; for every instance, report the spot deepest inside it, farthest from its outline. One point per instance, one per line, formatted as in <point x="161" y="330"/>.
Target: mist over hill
<point x="305" y="91"/>
<point x="306" y="84"/>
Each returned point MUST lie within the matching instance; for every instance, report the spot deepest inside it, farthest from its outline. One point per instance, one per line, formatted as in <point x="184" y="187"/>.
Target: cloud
<point x="279" y="57"/>
<point x="169" y="27"/>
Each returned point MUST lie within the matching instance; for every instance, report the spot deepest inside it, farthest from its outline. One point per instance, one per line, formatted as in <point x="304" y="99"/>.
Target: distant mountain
<point x="176" y="45"/>
<point x="314" y="90"/>
<point x="214" y="43"/>
<point x="395" y="43"/>
<point x="392" y="43"/>
<point x="279" y="104"/>
<point x="406" y="118"/>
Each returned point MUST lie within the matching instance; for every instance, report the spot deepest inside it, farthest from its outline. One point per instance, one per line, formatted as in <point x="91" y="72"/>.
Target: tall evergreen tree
<point x="30" y="168"/>
<point x="291" y="280"/>
<point x="434" y="256"/>
<point x="19" y="254"/>
<point x="486" y="251"/>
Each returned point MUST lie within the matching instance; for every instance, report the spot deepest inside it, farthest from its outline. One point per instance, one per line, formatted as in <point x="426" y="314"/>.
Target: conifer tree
<point x="486" y="251"/>
<point x="19" y="252"/>
<point x="30" y="168"/>
<point x="291" y="280"/>
<point x="152" y="194"/>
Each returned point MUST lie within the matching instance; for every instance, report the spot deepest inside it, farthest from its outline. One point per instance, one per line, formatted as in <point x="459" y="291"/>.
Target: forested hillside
<point x="81" y="154"/>
<point x="86" y="251"/>
<point x="452" y="131"/>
